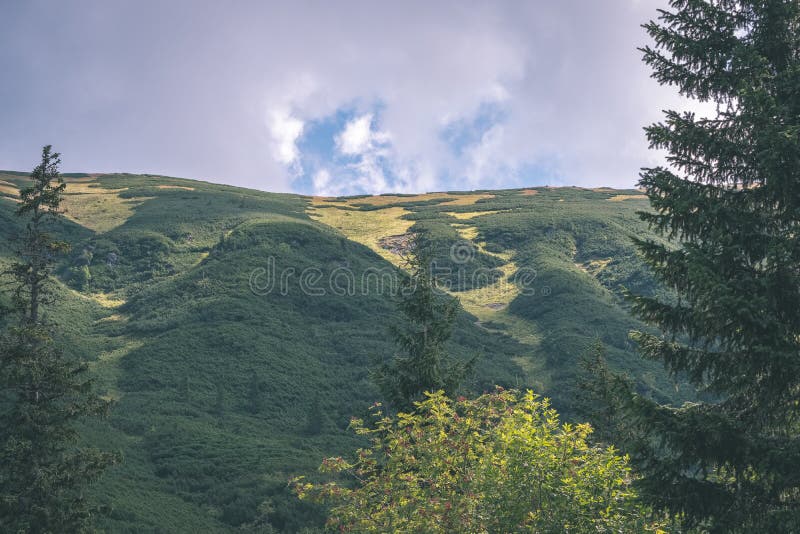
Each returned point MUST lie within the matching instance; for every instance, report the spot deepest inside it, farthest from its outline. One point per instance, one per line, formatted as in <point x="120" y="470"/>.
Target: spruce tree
<point x="596" y="393"/>
<point x="428" y="314"/>
<point x="730" y="199"/>
<point x="44" y="471"/>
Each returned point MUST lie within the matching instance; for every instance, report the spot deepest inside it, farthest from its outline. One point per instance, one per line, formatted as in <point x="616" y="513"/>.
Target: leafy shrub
<point x="79" y="276"/>
<point x="500" y="463"/>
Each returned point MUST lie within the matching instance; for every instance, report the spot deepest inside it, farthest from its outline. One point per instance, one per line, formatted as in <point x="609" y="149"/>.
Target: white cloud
<point x="373" y="156"/>
<point x="322" y="184"/>
<point x="567" y="75"/>
<point x="573" y="93"/>
<point x="485" y="162"/>
<point x="356" y="136"/>
<point x="285" y="131"/>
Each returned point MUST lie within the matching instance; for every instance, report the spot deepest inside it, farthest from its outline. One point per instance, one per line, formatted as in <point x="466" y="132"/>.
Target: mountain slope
<point x="227" y="385"/>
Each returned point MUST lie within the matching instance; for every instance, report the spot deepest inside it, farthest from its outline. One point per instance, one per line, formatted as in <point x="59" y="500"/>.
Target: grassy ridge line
<point x="176" y="306"/>
<point x="198" y="319"/>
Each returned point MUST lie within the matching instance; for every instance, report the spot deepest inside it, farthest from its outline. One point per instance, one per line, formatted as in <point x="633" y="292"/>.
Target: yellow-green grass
<point x="466" y="200"/>
<point x="471" y="214"/>
<point x="107" y="300"/>
<point x="97" y="208"/>
<point x="488" y="304"/>
<point x="183" y="187"/>
<point x="449" y="199"/>
<point x="485" y="302"/>
<point x="619" y="198"/>
<point x="369" y="227"/>
<point x="114" y="318"/>
<point x="470" y="233"/>
<point x="366" y="227"/>
<point x="9" y="189"/>
<point x="593" y="267"/>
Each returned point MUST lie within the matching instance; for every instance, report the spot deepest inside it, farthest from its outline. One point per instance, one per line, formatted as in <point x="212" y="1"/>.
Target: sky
<point x="333" y="98"/>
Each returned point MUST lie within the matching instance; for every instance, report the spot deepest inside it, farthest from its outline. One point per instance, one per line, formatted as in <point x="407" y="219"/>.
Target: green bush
<point x="500" y="463"/>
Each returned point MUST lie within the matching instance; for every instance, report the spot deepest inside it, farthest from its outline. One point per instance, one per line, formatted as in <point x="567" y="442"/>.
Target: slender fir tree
<point x="596" y="393"/>
<point x="422" y="363"/>
<point x="44" y="471"/>
<point x="730" y="198"/>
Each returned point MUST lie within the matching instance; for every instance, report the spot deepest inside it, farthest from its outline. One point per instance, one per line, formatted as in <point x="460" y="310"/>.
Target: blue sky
<point x="332" y="98"/>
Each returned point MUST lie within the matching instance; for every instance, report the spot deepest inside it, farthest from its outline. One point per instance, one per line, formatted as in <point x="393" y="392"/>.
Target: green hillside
<point x="225" y="388"/>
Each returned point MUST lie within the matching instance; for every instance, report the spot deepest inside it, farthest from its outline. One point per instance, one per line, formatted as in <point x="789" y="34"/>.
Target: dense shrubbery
<point x="185" y="340"/>
<point x="500" y="463"/>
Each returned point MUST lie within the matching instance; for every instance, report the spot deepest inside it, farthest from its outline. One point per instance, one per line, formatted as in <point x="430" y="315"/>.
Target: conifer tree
<point x="44" y="471"/>
<point x="428" y="315"/>
<point x="731" y="199"/>
<point x="596" y="393"/>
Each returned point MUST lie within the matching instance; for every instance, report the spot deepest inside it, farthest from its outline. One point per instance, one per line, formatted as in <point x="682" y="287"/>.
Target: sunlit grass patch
<point x="466" y="200"/>
<point x="486" y="301"/>
<point x="471" y="214"/>
<point x="185" y="188"/>
<point x="619" y="198"/>
<point x="377" y="201"/>
<point x="593" y="267"/>
<point x="107" y="301"/>
<point x="81" y="179"/>
<point x="9" y="189"/>
<point x="469" y="233"/>
<point x="113" y="318"/>
<point x="366" y="227"/>
<point x="97" y="208"/>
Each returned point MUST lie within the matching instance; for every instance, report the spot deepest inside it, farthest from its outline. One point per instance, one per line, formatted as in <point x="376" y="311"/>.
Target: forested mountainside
<point x="236" y="329"/>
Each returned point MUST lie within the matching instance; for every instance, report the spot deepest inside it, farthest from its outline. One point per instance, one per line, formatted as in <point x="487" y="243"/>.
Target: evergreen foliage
<point x="45" y="471"/>
<point x="428" y="317"/>
<point x="41" y="203"/>
<point x="731" y="198"/>
<point x="169" y="298"/>
<point x="596" y="393"/>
